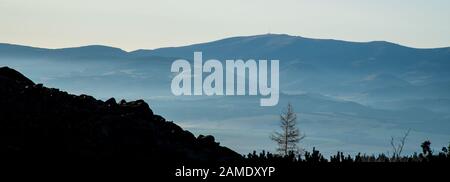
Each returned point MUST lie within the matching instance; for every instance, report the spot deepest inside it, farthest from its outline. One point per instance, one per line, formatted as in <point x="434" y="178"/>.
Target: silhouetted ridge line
<point x="8" y="74"/>
<point x="40" y="123"/>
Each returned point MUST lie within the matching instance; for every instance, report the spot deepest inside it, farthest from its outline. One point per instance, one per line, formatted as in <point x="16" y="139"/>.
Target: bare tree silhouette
<point x="398" y="148"/>
<point x="289" y="137"/>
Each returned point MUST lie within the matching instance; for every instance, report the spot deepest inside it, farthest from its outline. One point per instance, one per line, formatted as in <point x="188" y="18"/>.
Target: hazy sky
<point x="134" y="24"/>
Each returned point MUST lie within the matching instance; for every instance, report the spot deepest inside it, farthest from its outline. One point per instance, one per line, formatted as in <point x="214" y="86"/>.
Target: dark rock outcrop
<point x="43" y="123"/>
<point x="10" y="75"/>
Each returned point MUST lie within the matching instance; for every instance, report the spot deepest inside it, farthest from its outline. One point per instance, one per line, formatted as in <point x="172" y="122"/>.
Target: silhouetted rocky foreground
<point x="40" y="123"/>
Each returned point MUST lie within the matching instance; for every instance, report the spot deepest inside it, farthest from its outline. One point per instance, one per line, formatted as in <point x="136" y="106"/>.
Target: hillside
<point x="47" y="124"/>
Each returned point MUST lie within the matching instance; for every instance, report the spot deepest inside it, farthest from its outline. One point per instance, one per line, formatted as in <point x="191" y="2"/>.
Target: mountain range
<point x="347" y="94"/>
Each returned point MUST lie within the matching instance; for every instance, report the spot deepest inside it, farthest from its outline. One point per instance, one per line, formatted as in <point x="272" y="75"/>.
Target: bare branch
<point x="398" y="149"/>
<point x="402" y="142"/>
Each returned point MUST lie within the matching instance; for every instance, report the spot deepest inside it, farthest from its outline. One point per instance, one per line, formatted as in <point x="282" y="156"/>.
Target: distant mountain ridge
<point x="306" y="64"/>
<point x="370" y="56"/>
<point x="91" y="51"/>
<point x="275" y="41"/>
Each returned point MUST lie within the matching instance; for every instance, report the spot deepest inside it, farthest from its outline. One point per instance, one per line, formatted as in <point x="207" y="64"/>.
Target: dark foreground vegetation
<point x="316" y="157"/>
